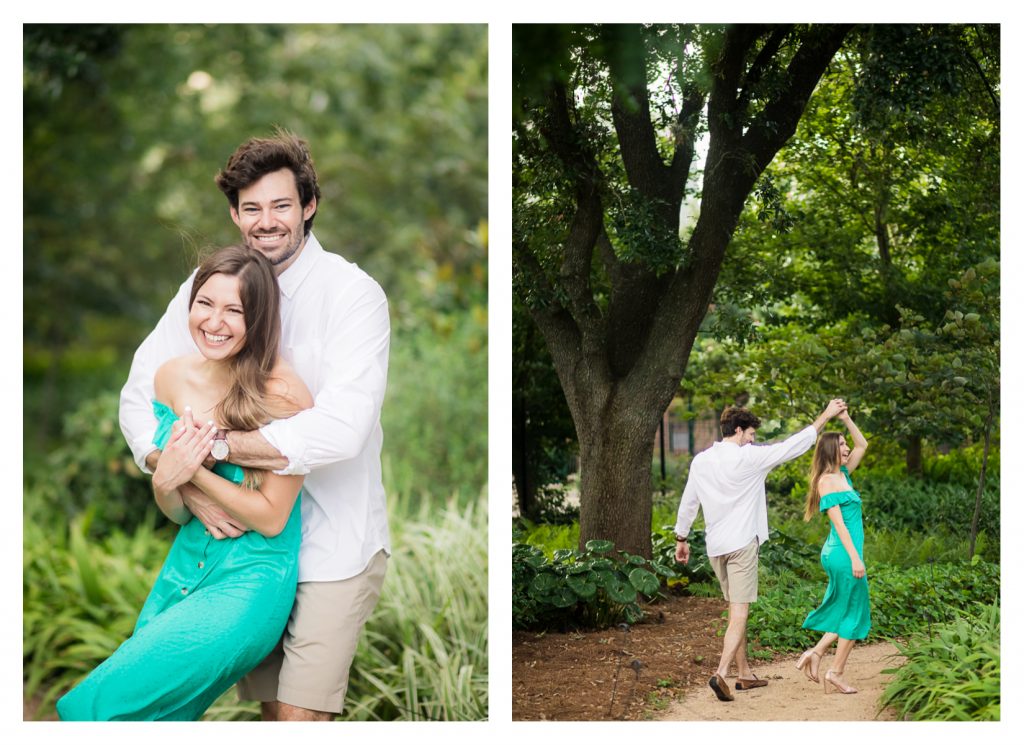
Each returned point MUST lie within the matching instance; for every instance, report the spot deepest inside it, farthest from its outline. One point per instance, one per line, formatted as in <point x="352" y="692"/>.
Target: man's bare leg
<point x="735" y="637"/>
<point x="742" y="666"/>
<point x="289" y="713"/>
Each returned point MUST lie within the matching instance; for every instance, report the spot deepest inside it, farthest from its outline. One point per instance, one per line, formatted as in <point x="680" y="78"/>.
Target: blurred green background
<point x="125" y="127"/>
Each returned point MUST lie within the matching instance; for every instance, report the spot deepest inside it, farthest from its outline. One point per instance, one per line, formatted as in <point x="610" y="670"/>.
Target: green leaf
<point x="583" y="588"/>
<point x="542" y="585"/>
<point x="599" y="546"/>
<point x="620" y="591"/>
<point x="644" y="581"/>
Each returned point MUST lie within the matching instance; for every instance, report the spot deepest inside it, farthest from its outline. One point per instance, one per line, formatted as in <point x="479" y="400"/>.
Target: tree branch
<point x="984" y="79"/>
<point x="631" y="113"/>
<point x="778" y="121"/>
<point x="587" y="221"/>
<point x="762" y="62"/>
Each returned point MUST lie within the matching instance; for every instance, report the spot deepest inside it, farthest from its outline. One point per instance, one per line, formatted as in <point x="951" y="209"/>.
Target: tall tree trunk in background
<point x="915" y="459"/>
<point x="981" y="477"/>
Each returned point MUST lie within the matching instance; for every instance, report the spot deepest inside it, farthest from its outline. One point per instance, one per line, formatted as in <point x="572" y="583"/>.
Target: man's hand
<point x="683" y="552"/>
<point x="220" y="524"/>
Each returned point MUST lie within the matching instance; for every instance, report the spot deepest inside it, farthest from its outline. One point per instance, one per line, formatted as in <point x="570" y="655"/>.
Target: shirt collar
<point x="291" y="278"/>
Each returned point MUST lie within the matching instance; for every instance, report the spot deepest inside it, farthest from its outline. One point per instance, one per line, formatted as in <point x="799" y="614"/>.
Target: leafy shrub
<point x="594" y="588"/>
<point x="951" y="673"/>
<point x="920" y="506"/>
<point x="905" y="600"/>
<point x="552" y="507"/>
<point x="784" y="552"/>
<point x="81" y="598"/>
<point x="93" y="469"/>
<point x="663" y="549"/>
<point x="548" y="538"/>
<point x="435" y="414"/>
<point x="963" y="466"/>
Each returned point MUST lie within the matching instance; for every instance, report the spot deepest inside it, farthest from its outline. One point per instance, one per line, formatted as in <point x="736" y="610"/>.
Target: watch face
<point x="219" y="451"/>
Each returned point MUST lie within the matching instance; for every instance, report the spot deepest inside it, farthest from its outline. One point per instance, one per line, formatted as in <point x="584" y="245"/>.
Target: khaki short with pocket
<point x="737" y="573"/>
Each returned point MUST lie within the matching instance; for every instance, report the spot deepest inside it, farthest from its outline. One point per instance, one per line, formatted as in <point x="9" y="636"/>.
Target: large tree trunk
<point x="615" y="474"/>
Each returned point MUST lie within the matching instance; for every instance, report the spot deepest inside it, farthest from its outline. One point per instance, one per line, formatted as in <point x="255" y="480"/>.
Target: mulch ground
<point x="617" y="674"/>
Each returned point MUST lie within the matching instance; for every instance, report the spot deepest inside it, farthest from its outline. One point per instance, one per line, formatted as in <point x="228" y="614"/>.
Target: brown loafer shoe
<point x="745" y="684"/>
<point x="720" y="687"/>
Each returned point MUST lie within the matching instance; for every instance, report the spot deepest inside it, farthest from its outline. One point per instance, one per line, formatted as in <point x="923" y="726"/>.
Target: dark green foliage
<point x="543" y="434"/>
<point x="594" y="588"/>
<point x="907" y="503"/>
<point x="908" y="600"/>
<point x="952" y="672"/>
<point x="92" y="472"/>
<point x="786" y="553"/>
<point x="435" y="412"/>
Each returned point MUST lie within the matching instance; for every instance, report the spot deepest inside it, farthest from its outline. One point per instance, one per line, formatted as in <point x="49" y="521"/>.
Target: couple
<point x="255" y="403"/>
<point x="727" y="482"/>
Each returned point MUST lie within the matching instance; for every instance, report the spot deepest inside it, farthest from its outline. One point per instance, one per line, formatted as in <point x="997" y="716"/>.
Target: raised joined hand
<point x="836" y="407"/>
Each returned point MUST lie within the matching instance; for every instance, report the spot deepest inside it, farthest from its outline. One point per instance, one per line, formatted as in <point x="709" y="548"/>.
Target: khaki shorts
<point x="309" y="667"/>
<point x="737" y="573"/>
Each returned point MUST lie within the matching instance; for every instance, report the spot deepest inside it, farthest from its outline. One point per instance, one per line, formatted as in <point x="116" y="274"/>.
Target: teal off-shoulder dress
<point x="217" y="609"/>
<point x="846" y="609"/>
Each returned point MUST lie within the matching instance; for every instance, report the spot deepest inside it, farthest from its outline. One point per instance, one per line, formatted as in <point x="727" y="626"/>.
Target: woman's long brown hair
<point x="246" y="405"/>
<point x="826" y="459"/>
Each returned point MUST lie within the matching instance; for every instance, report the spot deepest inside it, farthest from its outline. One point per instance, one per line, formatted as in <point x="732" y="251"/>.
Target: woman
<point x="845" y="613"/>
<point x="218" y="606"/>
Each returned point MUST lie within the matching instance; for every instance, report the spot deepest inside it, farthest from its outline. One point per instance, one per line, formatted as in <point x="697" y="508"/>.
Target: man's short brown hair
<point x="257" y="157"/>
<point x="737" y="416"/>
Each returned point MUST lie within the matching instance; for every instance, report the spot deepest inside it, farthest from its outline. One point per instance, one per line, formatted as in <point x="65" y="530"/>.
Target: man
<point x="335" y="332"/>
<point x="727" y="482"/>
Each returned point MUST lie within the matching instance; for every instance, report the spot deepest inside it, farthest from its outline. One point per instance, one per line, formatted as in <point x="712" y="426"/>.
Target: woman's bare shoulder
<point x="830" y="482"/>
<point x="286" y="385"/>
<point x="170" y="374"/>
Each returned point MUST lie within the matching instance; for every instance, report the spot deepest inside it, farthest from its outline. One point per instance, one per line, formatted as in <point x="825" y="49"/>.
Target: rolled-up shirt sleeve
<point x="169" y="339"/>
<point x="347" y="405"/>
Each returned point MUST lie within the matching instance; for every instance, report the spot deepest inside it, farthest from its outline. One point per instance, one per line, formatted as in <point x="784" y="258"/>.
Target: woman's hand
<point x="836" y="407"/>
<point x="858" y="567"/>
<point x="186" y="450"/>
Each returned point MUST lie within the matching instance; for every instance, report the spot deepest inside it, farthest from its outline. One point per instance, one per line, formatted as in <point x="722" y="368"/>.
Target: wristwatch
<point x="680" y="539"/>
<point x="220" y="448"/>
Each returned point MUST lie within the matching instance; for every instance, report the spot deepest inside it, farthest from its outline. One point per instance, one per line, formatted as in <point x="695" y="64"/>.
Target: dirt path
<point x="789" y="696"/>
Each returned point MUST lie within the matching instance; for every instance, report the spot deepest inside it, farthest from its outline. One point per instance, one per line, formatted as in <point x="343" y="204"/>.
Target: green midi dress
<point x="846" y="609"/>
<point x="217" y="609"/>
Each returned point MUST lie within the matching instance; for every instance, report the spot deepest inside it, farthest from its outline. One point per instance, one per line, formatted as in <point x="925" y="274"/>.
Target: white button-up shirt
<point x="335" y="333"/>
<point x="727" y="482"/>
